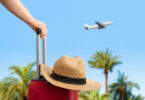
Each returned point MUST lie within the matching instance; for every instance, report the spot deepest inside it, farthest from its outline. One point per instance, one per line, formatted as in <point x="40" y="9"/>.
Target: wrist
<point x="30" y="20"/>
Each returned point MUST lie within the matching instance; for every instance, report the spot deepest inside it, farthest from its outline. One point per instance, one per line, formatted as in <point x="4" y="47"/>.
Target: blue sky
<point x="67" y="36"/>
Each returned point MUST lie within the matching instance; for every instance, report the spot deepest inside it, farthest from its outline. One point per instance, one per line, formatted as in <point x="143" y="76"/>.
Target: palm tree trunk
<point x="106" y="83"/>
<point x="122" y="97"/>
<point x="24" y="98"/>
<point x="106" y="80"/>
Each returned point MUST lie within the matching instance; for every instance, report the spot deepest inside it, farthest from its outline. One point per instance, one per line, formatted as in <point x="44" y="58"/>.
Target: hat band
<point x="69" y="80"/>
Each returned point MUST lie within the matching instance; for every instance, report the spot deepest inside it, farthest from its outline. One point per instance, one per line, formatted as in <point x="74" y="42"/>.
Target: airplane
<point x="98" y="25"/>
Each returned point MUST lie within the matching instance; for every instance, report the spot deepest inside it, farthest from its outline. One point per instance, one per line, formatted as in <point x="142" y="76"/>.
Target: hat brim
<point x="90" y="84"/>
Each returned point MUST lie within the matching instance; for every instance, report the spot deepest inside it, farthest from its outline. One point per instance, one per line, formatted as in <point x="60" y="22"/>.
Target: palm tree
<point x="17" y="88"/>
<point x="9" y="89"/>
<point x="93" y="95"/>
<point x="122" y="89"/>
<point x="139" y="97"/>
<point x="105" y="61"/>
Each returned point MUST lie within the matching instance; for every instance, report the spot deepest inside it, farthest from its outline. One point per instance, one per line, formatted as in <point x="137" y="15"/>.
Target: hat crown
<point x="70" y="67"/>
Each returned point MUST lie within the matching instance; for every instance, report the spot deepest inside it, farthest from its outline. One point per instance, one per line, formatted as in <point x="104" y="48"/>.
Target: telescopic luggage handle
<point x="37" y="76"/>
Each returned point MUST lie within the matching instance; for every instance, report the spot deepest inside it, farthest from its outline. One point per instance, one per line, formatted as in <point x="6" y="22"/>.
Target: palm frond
<point x="16" y="89"/>
<point x="17" y="70"/>
<point x="104" y="59"/>
<point x="122" y="88"/>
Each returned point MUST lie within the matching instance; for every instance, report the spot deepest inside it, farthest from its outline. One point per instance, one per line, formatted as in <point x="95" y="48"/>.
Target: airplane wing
<point x="91" y="27"/>
<point x="107" y="23"/>
<point x="97" y="23"/>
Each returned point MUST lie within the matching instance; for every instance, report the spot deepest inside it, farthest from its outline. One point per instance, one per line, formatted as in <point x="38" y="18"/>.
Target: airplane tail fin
<point x="86" y="26"/>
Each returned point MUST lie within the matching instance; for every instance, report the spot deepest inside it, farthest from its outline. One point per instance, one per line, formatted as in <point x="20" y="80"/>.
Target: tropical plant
<point x="105" y="61"/>
<point x="9" y="89"/>
<point x="17" y="88"/>
<point x="93" y="95"/>
<point x="139" y="97"/>
<point x="122" y="89"/>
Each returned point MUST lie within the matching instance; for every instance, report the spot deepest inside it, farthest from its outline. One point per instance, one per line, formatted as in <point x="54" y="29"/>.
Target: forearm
<point x="18" y="9"/>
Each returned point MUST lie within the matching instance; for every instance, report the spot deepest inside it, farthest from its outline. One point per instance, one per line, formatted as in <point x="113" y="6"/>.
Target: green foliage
<point x="122" y="89"/>
<point x="93" y="95"/>
<point x="9" y="89"/>
<point x="104" y="60"/>
<point x="139" y="97"/>
<point x="12" y="88"/>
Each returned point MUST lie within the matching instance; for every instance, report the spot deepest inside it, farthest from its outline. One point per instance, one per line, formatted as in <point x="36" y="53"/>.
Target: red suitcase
<point x="40" y="89"/>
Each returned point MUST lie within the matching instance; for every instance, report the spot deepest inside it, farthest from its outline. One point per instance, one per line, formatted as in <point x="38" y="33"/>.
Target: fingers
<point x="43" y="31"/>
<point x="36" y="24"/>
<point x="43" y="37"/>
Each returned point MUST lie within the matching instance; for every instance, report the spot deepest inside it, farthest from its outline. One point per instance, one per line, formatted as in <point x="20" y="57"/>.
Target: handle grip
<point x="37" y="76"/>
<point x="38" y="31"/>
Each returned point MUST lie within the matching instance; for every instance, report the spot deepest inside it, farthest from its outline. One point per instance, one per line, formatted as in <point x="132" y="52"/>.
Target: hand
<point x="35" y="24"/>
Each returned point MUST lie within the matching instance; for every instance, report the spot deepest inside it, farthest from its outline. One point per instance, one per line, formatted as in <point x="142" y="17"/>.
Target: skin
<point x="19" y="10"/>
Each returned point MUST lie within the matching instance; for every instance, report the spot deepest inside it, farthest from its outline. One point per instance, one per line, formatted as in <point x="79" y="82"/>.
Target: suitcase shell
<point x="39" y="90"/>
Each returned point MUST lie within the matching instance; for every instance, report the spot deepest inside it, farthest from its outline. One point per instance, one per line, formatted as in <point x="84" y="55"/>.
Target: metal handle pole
<point x="37" y="76"/>
<point x="44" y="50"/>
<point x="38" y="31"/>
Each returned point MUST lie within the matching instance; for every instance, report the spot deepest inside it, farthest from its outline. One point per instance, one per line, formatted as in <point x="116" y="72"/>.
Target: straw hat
<point x="69" y="73"/>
